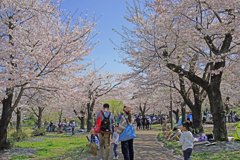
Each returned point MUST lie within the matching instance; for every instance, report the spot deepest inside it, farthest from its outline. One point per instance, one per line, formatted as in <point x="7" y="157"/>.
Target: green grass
<point x="226" y="155"/>
<point x="177" y="150"/>
<point x="156" y="126"/>
<point x="51" y="148"/>
<point x="20" y="157"/>
<point x="159" y="126"/>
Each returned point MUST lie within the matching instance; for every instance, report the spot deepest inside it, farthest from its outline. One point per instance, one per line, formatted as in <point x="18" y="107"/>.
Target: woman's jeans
<point x="115" y="150"/>
<point x="187" y="153"/>
<point x="127" y="149"/>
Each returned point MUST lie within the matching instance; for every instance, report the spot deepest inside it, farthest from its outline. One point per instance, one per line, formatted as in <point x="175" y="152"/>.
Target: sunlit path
<point x="145" y="148"/>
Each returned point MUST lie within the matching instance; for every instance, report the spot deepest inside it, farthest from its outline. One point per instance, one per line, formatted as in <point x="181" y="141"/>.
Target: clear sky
<point x="112" y="18"/>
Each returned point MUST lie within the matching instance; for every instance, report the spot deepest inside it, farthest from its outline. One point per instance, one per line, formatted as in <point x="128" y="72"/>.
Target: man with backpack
<point x="105" y="130"/>
<point x="138" y="121"/>
<point x="147" y="122"/>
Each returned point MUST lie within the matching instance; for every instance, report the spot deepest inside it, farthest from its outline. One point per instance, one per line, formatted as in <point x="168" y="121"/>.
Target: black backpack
<point x="138" y="120"/>
<point x="105" y="124"/>
<point x="147" y="121"/>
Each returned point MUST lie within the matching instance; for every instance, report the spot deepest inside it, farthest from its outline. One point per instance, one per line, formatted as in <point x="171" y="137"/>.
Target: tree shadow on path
<point x="145" y="148"/>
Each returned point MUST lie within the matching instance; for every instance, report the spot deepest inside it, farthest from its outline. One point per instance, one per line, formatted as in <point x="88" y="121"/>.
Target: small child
<point x="186" y="140"/>
<point x="93" y="138"/>
<point x="115" y="141"/>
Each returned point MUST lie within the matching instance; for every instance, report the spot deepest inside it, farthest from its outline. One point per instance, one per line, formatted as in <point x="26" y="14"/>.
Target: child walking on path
<point x="115" y="141"/>
<point x="186" y="141"/>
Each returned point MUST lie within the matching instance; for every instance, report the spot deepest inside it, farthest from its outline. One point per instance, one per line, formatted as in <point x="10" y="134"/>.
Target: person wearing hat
<point x="175" y="135"/>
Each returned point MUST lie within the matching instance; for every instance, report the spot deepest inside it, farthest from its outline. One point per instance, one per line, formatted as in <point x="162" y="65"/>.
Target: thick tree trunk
<point x="60" y="116"/>
<point x="89" y="117"/>
<point x="143" y="109"/>
<point x="82" y="122"/>
<point x="6" y="117"/>
<point x="219" y="120"/>
<point x="19" y="120"/>
<point x="176" y="112"/>
<point x="183" y="115"/>
<point x="197" y="118"/>
<point x="40" y="111"/>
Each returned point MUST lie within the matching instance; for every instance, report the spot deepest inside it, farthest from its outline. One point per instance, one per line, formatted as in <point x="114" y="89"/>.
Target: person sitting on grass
<point x="166" y="130"/>
<point x="191" y="128"/>
<point x="93" y="138"/>
<point x="186" y="141"/>
<point x="175" y="135"/>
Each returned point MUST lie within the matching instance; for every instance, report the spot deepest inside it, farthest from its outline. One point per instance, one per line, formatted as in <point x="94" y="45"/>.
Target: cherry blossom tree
<point x="170" y="33"/>
<point x="37" y="46"/>
<point x="95" y="86"/>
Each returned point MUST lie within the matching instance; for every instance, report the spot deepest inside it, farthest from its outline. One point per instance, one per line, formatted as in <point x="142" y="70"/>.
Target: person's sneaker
<point x="116" y="157"/>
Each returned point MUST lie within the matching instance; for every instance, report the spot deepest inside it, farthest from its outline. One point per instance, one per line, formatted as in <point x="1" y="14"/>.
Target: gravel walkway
<point x="145" y="148"/>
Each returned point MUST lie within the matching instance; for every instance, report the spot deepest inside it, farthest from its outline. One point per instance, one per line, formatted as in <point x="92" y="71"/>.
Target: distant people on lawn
<point x="127" y="146"/>
<point x="144" y="122"/>
<point x="186" y="141"/>
<point x="51" y="126"/>
<point x="138" y="122"/>
<point x="166" y="129"/>
<point x="191" y="127"/>
<point x="73" y="125"/>
<point x="105" y="130"/>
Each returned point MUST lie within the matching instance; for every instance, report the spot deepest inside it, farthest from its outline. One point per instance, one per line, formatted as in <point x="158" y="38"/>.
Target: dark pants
<point x="187" y="153"/>
<point x="73" y="130"/>
<point x="127" y="149"/>
<point x="147" y="126"/>
<point x="138" y="125"/>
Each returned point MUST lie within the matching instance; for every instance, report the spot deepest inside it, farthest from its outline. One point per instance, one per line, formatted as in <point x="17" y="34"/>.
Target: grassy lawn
<point x="64" y="146"/>
<point x="226" y="155"/>
<point x="159" y="126"/>
<point x="56" y="147"/>
<point x="177" y="150"/>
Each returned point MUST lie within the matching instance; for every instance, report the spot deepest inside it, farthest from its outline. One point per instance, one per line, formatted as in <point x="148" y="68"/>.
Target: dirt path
<point x="145" y="148"/>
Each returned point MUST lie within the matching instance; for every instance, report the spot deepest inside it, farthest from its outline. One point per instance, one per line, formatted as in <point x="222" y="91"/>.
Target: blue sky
<point x="112" y="18"/>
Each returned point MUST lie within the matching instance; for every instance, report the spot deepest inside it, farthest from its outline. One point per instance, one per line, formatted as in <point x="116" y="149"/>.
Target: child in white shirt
<point x="115" y="141"/>
<point x="186" y="141"/>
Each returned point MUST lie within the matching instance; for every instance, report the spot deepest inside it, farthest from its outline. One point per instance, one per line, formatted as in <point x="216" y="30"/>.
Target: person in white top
<point x="186" y="141"/>
<point x="73" y="127"/>
<point x="115" y="141"/>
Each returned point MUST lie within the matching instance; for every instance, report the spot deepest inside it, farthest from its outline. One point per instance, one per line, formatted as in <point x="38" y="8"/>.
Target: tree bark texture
<point x="82" y="122"/>
<point x="176" y="112"/>
<point x="143" y="109"/>
<point x="217" y="110"/>
<point x="183" y="115"/>
<point x="90" y="107"/>
<point x="6" y="117"/>
<point x="60" y="116"/>
<point x="40" y="111"/>
<point x="19" y="120"/>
